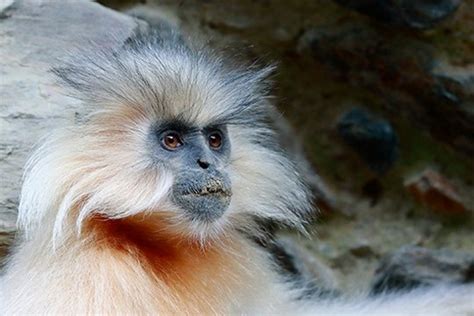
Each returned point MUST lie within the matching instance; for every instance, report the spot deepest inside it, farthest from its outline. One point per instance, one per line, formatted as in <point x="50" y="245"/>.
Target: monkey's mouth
<point x="212" y="187"/>
<point x="207" y="202"/>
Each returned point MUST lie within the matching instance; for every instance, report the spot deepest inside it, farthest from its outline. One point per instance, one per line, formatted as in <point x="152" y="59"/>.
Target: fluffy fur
<point x="100" y="233"/>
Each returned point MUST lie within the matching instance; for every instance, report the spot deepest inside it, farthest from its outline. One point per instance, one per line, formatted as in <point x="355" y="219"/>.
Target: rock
<point x="362" y="249"/>
<point x="324" y="197"/>
<point x="6" y="240"/>
<point x="303" y="268"/>
<point x="417" y="14"/>
<point x="411" y="267"/>
<point x="460" y="77"/>
<point x="436" y="192"/>
<point x="5" y="6"/>
<point x="457" y="83"/>
<point x="371" y="137"/>
<point x="344" y="262"/>
<point x="404" y="71"/>
<point x="373" y="189"/>
<point x="33" y="37"/>
<point x="156" y="18"/>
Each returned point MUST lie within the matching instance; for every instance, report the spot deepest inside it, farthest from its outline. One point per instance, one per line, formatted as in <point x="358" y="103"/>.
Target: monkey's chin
<point x="206" y="208"/>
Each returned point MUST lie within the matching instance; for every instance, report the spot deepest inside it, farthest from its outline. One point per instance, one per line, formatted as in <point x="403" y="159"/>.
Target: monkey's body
<point x="116" y="272"/>
<point x="147" y="206"/>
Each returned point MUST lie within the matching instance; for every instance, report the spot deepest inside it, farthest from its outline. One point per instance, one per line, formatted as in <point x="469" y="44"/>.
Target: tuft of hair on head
<point x="103" y="166"/>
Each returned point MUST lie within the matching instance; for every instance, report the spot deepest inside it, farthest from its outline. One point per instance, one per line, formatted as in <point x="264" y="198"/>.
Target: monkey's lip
<point x="208" y="191"/>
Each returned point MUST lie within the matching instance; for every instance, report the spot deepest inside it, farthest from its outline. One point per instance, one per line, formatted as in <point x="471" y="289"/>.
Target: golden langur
<point x="147" y="206"/>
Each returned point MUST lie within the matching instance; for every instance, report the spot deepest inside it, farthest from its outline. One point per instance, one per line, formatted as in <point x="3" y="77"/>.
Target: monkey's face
<point x="198" y="158"/>
<point x="179" y="137"/>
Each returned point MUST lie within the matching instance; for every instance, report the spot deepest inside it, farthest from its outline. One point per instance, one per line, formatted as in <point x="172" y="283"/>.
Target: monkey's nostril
<point x="203" y="164"/>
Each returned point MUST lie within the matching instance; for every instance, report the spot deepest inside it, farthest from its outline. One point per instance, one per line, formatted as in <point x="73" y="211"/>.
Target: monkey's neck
<point x="123" y="267"/>
<point x="168" y="274"/>
<point x="157" y="250"/>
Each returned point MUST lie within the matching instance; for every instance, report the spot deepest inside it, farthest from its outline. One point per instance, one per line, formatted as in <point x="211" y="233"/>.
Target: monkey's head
<point x="177" y="137"/>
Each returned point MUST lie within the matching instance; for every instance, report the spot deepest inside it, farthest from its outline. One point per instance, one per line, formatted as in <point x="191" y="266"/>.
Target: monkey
<point x="148" y="204"/>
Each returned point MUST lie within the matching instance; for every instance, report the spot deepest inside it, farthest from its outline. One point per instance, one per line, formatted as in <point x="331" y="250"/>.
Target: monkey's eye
<point x="215" y="140"/>
<point x="171" y="140"/>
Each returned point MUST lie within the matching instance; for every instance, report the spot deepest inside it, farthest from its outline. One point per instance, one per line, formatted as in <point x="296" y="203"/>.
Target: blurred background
<point x="378" y="104"/>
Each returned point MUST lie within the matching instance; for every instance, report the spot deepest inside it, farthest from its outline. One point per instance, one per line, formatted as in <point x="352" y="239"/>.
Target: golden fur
<point x="128" y="267"/>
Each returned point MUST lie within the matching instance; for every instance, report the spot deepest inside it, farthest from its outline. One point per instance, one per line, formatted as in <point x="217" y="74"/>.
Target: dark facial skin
<point x="197" y="157"/>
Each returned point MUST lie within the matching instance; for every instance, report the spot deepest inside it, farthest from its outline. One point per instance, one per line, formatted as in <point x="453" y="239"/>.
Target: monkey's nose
<point x="203" y="163"/>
